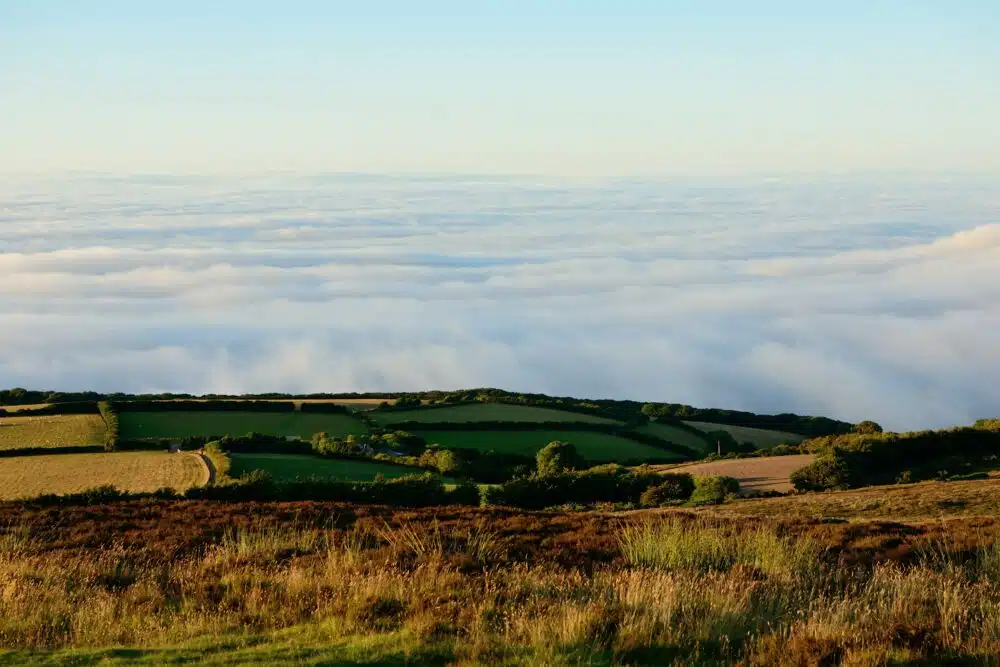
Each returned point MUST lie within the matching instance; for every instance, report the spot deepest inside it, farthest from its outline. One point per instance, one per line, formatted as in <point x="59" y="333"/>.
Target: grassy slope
<point x="485" y="412"/>
<point x="25" y="476"/>
<point x="285" y="466"/>
<point x="761" y="438"/>
<point x="593" y="446"/>
<point x="51" y="431"/>
<point x="903" y="501"/>
<point x="180" y="424"/>
<point x="675" y="435"/>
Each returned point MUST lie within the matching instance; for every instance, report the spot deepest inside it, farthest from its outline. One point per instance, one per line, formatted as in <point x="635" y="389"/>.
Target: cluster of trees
<point x="560" y="478"/>
<point x="409" y="491"/>
<point x="873" y="457"/>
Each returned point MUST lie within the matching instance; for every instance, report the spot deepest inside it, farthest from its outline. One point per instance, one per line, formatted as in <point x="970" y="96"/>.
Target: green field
<point x="51" y="431"/>
<point x="592" y="446"/>
<point x="165" y="424"/>
<point x="676" y="435"/>
<point x="485" y="412"/>
<point x="287" y="466"/>
<point x="761" y="438"/>
<point x="25" y="476"/>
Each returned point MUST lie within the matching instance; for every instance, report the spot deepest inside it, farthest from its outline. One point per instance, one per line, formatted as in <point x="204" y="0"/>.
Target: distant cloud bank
<point x="848" y="298"/>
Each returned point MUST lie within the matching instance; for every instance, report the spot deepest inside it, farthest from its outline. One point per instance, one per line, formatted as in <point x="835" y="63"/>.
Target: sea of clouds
<point x="852" y="298"/>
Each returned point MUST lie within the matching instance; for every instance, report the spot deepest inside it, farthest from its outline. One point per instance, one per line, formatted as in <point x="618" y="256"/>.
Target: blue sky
<point x="568" y="88"/>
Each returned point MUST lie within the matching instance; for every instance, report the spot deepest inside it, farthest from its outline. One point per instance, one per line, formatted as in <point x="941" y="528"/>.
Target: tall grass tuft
<point x="269" y="540"/>
<point x="673" y="544"/>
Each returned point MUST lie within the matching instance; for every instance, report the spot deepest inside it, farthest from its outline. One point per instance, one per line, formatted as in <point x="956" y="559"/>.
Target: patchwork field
<point x="181" y="424"/>
<point x="761" y="438"/>
<point x="51" y="431"/>
<point x="592" y="446"/>
<point x="768" y="473"/>
<point x="25" y="476"/>
<point x="675" y="435"/>
<point x="286" y="467"/>
<point x="926" y="500"/>
<point x="485" y="412"/>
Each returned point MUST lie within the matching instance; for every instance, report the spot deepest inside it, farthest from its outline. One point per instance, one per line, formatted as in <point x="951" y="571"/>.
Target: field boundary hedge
<point x="618" y="430"/>
<point x="205" y="406"/>
<point x="69" y="408"/>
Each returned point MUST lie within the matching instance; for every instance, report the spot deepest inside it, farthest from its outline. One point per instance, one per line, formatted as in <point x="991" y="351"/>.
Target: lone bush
<point x="558" y="457"/>
<point x="828" y="471"/>
<point x="867" y="427"/>
<point x="712" y="490"/>
<point x="675" y="486"/>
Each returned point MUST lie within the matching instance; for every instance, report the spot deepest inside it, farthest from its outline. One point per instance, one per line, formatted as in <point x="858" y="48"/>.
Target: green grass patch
<point x="284" y="467"/>
<point x="485" y="412"/>
<point x="51" y="431"/>
<point x="592" y="446"/>
<point x="761" y="438"/>
<point x="676" y="435"/>
<point x="136" y="425"/>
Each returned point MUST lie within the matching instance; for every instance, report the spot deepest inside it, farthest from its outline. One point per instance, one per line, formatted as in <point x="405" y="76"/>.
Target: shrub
<point x="715" y="489"/>
<point x="466" y="493"/>
<point x="676" y="486"/>
<point x="608" y="483"/>
<point x="219" y="459"/>
<point x="110" y="418"/>
<point x="867" y="427"/>
<point x="557" y="457"/>
<point x="828" y="471"/>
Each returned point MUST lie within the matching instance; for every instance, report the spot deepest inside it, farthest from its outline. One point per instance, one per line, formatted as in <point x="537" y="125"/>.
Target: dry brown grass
<point x="903" y="501"/>
<point x="434" y="589"/>
<point x="51" y="431"/>
<point x="767" y="473"/>
<point x="26" y="476"/>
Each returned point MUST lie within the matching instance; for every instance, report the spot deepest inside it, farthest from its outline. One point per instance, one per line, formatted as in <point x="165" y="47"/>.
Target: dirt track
<point x="758" y="474"/>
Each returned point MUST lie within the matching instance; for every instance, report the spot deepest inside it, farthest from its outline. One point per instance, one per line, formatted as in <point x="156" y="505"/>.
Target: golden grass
<point x="51" y="431"/>
<point x="903" y="501"/>
<point x="766" y="473"/>
<point x="26" y="476"/>
<point x="409" y="597"/>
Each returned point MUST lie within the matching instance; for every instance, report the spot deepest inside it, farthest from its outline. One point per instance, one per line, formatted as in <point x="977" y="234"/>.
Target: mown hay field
<point x="26" y="476"/>
<point x="485" y="412"/>
<point x="592" y="446"/>
<point x="759" y="437"/>
<point x="766" y="473"/>
<point x="51" y="431"/>
<point x="135" y="425"/>
<point x="676" y="435"/>
<point x="287" y="467"/>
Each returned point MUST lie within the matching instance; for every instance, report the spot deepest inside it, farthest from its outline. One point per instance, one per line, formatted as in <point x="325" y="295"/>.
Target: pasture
<point x="26" y="476"/>
<point x="287" y="467"/>
<point x="138" y="425"/>
<point x="485" y="412"/>
<point x="759" y="437"/>
<point x="676" y="435"/>
<point x="51" y="431"/>
<point x="592" y="446"/>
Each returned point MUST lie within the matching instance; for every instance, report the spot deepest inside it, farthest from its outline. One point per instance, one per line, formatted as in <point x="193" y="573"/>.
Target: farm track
<point x="209" y="468"/>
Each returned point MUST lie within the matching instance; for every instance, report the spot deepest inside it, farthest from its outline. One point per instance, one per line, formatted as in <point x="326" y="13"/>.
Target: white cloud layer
<point x="848" y="298"/>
